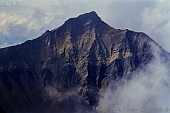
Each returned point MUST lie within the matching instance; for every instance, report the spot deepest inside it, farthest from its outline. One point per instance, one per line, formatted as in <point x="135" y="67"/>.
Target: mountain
<point x="64" y="69"/>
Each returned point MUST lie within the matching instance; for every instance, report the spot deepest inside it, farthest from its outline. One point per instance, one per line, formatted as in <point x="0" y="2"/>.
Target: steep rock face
<point x="76" y="60"/>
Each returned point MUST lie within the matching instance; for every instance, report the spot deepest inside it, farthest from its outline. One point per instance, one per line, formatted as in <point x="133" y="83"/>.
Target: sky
<point x="22" y="20"/>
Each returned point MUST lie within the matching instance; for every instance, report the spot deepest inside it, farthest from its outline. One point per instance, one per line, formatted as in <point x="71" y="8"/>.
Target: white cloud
<point x="18" y="27"/>
<point x="147" y="92"/>
<point x="149" y="16"/>
<point x="15" y="28"/>
<point x="4" y="45"/>
<point x="156" y="22"/>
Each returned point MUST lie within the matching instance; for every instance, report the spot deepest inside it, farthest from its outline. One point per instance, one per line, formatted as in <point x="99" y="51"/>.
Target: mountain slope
<point x="64" y="69"/>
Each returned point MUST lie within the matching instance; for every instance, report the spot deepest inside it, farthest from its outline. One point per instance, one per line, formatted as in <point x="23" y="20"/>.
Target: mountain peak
<point x="91" y="15"/>
<point x="82" y="22"/>
<point x="82" y="19"/>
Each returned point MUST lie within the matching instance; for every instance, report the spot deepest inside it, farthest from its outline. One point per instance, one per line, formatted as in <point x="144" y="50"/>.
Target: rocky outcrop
<point x="64" y="69"/>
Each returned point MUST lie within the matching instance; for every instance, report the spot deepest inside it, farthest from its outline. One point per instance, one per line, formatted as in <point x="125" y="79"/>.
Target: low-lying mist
<point x="146" y="92"/>
<point x="67" y="101"/>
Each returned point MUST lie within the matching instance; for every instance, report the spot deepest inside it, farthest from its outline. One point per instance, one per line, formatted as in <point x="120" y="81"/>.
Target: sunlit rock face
<point x="64" y="69"/>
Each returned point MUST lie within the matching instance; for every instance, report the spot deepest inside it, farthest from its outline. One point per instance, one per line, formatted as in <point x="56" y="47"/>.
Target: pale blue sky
<point x="21" y="20"/>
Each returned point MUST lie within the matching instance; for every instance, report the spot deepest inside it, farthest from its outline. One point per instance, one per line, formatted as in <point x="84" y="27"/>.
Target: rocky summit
<point x="64" y="69"/>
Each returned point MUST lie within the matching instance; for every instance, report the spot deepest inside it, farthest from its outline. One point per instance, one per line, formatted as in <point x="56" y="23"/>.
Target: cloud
<point x="54" y="94"/>
<point x="23" y="20"/>
<point x="65" y="101"/>
<point x="151" y="17"/>
<point x="4" y="45"/>
<point x="16" y="28"/>
<point x="147" y="92"/>
<point x="156" y="22"/>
